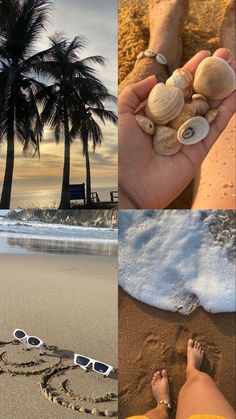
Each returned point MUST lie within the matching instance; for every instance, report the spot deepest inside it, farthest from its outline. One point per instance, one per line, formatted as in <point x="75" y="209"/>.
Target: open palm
<point x="149" y="179"/>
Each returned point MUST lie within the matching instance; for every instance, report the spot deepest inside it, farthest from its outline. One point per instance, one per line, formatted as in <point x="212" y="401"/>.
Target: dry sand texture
<point x="151" y="339"/>
<point x="70" y="302"/>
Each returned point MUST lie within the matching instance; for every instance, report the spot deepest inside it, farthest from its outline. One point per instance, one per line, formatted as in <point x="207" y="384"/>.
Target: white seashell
<point x="214" y="78"/>
<point x="196" y="96"/>
<point x="165" y="141"/>
<point x="146" y="124"/>
<point x="161" y="59"/>
<point x="164" y="104"/>
<point x="149" y="53"/>
<point x="193" y="131"/>
<point x="182" y="79"/>
<point x="187" y="112"/>
<point x="200" y="106"/>
<point x="140" y="55"/>
<point x="211" y="115"/>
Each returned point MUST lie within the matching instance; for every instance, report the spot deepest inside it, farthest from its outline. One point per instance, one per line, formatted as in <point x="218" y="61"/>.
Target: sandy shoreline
<point x="154" y="338"/>
<point x="68" y="301"/>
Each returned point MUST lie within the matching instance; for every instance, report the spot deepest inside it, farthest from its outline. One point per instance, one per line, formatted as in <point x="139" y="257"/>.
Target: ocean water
<point x="24" y="236"/>
<point x="50" y="198"/>
<point x="179" y="260"/>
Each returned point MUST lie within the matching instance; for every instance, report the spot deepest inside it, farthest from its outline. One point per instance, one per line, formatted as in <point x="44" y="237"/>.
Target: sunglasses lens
<point x="33" y="341"/>
<point x="99" y="367"/>
<point x="19" y="334"/>
<point x="82" y="360"/>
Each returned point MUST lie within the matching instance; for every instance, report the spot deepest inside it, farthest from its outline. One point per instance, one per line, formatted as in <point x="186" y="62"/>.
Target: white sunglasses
<point x="30" y="341"/>
<point x="87" y="363"/>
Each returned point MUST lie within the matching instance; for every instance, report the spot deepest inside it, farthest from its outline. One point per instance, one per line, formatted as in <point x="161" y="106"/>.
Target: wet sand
<point x="70" y="302"/>
<point x="150" y="339"/>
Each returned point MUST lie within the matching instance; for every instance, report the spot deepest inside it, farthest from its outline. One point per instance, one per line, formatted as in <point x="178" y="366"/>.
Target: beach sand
<point x="202" y="30"/>
<point x="151" y="339"/>
<point x="67" y="301"/>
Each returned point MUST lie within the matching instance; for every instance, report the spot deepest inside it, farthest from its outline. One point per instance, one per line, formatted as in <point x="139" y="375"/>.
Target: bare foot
<point x="166" y="23"/>
<point x="194" y="356"/>
<point x="160" y="386"/>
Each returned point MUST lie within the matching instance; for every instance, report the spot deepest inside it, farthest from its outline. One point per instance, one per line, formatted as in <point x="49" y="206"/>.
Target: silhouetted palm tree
<point x="93" y="96"/>
<point x="21" y="24"/>
<point x="64" y="99"/>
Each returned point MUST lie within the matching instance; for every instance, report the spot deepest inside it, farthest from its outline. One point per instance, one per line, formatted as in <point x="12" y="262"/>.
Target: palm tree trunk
<point x="88" y="176"/>
<point x="7" y="182"/>
<point x="65" y="195"/>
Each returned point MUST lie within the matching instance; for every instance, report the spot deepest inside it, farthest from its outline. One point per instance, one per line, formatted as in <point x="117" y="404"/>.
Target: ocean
<point x="27" y="237"/>
<point x="179" y="260"/>
<point x="50" y="199"/>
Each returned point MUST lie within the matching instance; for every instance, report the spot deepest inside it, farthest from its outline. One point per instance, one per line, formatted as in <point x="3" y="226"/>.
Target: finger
<point x="133" y="95"/>
<point x="222" y="53"/>
<point x="226" y="111"/>
<point x="194" y="62"/>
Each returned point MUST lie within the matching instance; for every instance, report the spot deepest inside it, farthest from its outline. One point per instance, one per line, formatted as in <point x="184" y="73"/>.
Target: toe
<point x="164" y="374"/>
<point x="190" y="343"/>
<point x="196" y="344"/>
<point x="158" y="375"/>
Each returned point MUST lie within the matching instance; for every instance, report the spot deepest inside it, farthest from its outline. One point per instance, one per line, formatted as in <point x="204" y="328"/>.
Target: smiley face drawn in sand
<point x="16" y="359"/>
<point x="85" y="392"/>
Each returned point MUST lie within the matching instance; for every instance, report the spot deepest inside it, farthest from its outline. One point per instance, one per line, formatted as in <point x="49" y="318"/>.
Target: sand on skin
<point x="150" y="339"/>
<point x="68" y="301"/>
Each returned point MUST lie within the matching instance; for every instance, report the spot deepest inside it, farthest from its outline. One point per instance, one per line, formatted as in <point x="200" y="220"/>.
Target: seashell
<point x="214" y="78"/>
<point x="149" y="53"/>
<point x="161" y="59"/>
<point x="211" y="115"/>
<point x="146" y="124"/>
<point x="182" y="79"/>
<point x="164" y="103"/>
<point x="197" y="96"/>
<point x="165" y="141"/>
<point x="187" y="112"/>
<point x="200" y="106"/>
<point x="193" y="130"/>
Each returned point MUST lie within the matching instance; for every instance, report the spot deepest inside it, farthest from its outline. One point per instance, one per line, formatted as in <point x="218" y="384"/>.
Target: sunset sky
<point x="97" y="21"/>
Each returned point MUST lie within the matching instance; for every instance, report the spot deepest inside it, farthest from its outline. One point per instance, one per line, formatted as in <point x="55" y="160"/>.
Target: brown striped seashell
<point x="182" y="79"/>
<point x="211" y="115"/>
<point x="164" y="104"/>
<point x="200" y="106"/>
<point x="214" y="78"/>
<point x="193" y="131"/>
<point x="165" y="141"/>
<point x="146" y="124"/>
<point x="187" y="112"/>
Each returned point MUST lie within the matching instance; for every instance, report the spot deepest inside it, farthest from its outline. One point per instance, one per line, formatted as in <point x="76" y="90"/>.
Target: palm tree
<point x="63" y="96"/>
<point x="93" y="96"/>
<point x="21" y="24"/>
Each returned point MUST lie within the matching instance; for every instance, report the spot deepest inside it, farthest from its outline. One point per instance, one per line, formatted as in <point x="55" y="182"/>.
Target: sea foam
<point x="178" y="260"/>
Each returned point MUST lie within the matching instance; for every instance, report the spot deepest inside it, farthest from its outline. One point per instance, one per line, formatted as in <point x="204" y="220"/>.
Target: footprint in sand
<point x="85" y="392"/>
<point x="174" y="357"/>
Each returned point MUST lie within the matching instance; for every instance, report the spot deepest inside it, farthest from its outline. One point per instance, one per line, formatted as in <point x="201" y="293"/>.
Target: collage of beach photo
<point x="118" y="209"/>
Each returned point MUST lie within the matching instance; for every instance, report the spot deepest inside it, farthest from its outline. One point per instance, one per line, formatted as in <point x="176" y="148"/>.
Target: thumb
<point x="132" y="96"/>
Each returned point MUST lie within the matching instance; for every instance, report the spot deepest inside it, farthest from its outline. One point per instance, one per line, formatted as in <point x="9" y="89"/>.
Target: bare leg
<point x="199" y="394"/>
<point x="214" y="187"/>
<point x="166" y="19"/>
<point x="161" y="391"/>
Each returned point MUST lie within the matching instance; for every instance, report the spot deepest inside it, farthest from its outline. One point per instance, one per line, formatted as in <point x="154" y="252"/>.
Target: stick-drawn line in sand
<point x="52" y="395"/>
<point x="65" y="387"/>
<point x="20" y="368"/>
